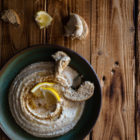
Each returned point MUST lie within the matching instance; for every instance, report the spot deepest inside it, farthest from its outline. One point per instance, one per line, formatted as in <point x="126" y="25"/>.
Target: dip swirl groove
<point x="39" y="121"/>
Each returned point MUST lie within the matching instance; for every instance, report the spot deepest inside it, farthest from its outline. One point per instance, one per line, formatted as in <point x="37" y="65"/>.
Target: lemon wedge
<point x="43" y="19"/>
<point x="36" y="87"/>
<point x="52" y="91"/>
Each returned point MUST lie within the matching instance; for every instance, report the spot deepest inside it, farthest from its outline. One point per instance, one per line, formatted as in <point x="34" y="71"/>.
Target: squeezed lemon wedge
<point x="36" y="87"/>
<point x="48" y="89"/>
<point x="43" y="19"/>
<point x="52" y="91"/>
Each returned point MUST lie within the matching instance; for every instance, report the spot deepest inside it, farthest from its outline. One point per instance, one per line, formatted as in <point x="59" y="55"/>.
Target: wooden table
<point x="112" y="47"/>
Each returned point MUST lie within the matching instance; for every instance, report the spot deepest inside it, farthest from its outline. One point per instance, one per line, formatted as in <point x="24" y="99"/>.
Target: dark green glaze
<point x="43" y="53"/>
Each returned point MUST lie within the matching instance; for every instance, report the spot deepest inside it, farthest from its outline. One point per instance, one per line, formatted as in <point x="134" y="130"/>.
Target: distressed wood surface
<point x="109" y="47"/>
<point x="14" y="39"/>
<point x="113" y="59"/>
<point x="137" y="52"/>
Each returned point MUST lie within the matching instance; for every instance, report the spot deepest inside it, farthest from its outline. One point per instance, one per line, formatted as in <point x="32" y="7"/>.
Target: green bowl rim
<point x="22" y="51"/>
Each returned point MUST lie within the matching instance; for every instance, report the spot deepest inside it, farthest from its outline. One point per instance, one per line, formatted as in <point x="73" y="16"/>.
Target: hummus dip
<point x="41" y="113"/>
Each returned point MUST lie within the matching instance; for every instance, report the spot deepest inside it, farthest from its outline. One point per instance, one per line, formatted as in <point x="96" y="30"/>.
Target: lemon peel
<point x="36" y="87"/>
<point x="52" y="91"/>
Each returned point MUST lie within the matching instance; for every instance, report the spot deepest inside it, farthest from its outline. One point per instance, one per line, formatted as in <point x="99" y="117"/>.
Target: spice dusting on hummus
<point x="42" y="100"/>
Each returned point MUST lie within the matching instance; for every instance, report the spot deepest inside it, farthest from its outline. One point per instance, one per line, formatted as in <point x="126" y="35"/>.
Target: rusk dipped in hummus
<point x="42" y="100"/>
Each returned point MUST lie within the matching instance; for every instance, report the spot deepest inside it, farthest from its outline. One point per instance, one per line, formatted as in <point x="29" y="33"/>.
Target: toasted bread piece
<point x="59" y="55"/>
<point x="85" y="29"/>
<point x="76" y="27"/>
<point x="10" y="16"/>
<point x="84" y="92"/>
<point x="62" y="61"/>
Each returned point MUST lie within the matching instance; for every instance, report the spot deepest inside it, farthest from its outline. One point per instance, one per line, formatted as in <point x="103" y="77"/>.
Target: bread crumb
<point x="10" y="16"/>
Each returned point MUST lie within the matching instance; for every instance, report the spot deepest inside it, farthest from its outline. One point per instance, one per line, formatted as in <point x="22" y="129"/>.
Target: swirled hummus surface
<point x="51" y="110"/>
<point x="31" y="113"/>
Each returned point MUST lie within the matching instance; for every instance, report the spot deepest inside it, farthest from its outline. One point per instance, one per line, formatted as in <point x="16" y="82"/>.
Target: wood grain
<point x="14" y="38"/>
<point x="59" y="10"/>
<point x="112" y="34"/>
<point x="109" y="47"/>
<point x="137" y="52"/>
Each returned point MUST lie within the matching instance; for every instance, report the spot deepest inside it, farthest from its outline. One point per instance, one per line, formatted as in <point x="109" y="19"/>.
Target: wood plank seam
<point x="137" y="72"/>
<point x="136" y="7"/>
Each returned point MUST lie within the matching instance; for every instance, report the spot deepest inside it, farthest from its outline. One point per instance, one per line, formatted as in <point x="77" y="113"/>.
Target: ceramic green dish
<point x="43" y="53"/>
